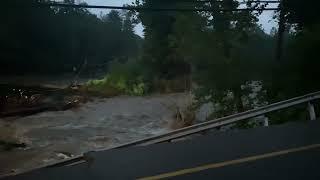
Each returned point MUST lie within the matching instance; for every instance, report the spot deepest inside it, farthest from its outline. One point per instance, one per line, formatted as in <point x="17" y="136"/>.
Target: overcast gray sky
<point x="265" y="19"/>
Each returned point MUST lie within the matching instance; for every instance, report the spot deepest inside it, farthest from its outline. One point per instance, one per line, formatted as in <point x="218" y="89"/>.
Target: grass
<point x="113" y="85"/>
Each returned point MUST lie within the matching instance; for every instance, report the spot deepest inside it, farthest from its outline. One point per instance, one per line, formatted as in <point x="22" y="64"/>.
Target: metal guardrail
<point x="199" y="128"/>
<point x="202" y="127"/>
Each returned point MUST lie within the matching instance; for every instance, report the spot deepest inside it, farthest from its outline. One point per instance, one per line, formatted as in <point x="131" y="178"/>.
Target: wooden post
<point x="266" y="121"/>
<point x="311" y="111"/>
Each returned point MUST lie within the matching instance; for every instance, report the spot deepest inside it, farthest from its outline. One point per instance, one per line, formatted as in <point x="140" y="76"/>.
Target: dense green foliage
<point x="226" y="51"/>
<point x="219" y="47"/>
<point x="297" y="71"/>
<point x="158" y="54"/>
<point x="121" y="79"/>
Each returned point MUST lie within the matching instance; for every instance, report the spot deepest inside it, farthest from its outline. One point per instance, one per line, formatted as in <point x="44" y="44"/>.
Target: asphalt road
<point x="290" y="151"/>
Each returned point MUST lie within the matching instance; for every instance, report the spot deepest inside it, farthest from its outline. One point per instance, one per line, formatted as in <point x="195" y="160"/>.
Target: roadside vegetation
<point x="121" y="79"/>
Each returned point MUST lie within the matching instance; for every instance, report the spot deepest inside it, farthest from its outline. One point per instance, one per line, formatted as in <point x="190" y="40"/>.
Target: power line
<point x="271" y="2"/>
<point x="135" y="8"/>
<point x="242" y="2"/>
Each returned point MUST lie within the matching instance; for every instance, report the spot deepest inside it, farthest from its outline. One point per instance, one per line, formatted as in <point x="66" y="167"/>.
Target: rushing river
<point x="101" y="123"/>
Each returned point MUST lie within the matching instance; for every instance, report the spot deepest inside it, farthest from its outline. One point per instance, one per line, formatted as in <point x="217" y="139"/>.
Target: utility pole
<point x="276" y="69"/>
<point x="281" y="30"/>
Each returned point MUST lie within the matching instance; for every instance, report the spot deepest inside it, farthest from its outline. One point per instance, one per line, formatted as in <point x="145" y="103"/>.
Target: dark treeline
<point x="46" y="40"/>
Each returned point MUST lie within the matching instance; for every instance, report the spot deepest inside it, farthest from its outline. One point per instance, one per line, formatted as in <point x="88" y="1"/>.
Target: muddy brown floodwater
<point x="101" y="123"/>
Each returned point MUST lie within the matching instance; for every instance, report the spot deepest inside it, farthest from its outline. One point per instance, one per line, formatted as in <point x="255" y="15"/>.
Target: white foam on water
<point x="95" y="125"/>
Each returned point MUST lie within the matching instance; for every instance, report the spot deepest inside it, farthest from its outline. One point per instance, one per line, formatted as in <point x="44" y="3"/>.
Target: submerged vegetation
<point x="112" y="85"/>
<point x="123" y="78"/>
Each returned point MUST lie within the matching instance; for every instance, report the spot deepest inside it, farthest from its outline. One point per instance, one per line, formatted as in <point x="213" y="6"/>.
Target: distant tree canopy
<point x="42" y="39"/>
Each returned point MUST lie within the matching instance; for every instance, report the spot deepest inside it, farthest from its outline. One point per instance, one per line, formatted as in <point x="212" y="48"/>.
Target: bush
<point x="122" y="79"/>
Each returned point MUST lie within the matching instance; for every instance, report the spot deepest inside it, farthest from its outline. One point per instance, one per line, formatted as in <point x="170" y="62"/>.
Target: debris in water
<point x="64" y="155"/>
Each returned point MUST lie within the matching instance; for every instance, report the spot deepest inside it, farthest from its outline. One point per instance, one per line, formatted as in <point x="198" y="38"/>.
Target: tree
<point x="218" y="46"/>
<point x="301" y="14"/>
<point x="45" y="40"/>
<point x="296" y="73"/>
<point x="158" y="55"/>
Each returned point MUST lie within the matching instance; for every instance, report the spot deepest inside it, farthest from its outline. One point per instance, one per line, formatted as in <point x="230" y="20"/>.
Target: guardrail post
<point x="312" y="113"/>
<point x="266" y="121"/>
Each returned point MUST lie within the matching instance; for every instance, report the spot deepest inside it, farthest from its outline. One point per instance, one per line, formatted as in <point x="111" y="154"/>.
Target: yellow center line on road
<point x="231" y="162"/>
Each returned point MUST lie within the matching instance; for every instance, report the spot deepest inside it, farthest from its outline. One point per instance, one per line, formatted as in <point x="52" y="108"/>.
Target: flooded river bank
<point x="98" y="124"/>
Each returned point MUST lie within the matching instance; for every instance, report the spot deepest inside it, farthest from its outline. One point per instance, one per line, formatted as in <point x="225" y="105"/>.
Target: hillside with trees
<point x="52" y="40"/>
